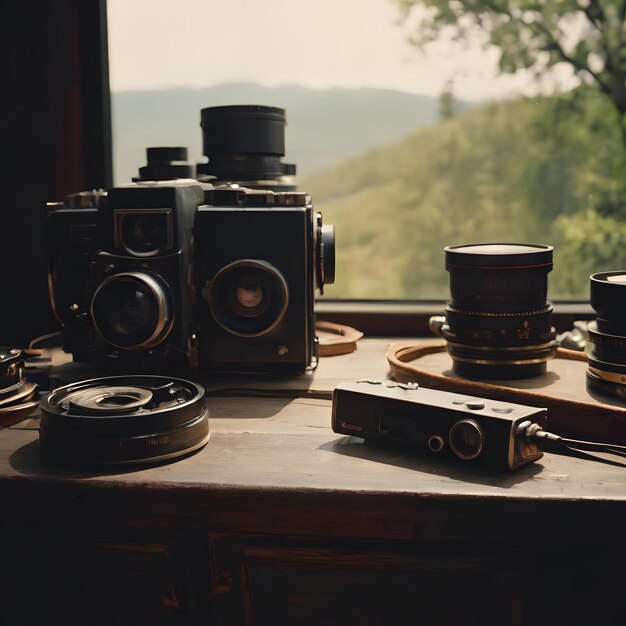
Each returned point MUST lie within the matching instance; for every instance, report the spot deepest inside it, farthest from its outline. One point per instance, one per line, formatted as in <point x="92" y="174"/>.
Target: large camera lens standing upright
<point x="606" y="372"/>
<point x="245" y="144"/>
<point x="498" y="321"/>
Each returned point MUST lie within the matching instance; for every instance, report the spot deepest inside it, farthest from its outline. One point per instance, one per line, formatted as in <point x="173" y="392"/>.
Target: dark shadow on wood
<point x="357" y="447"/>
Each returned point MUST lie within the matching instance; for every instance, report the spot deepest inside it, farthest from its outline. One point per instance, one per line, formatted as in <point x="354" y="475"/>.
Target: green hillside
<point x="547" y="170"/>
<point x="324" y="126"/>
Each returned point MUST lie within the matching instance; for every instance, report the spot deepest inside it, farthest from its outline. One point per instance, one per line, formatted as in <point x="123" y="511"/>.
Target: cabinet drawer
<point x="266" y="582"/>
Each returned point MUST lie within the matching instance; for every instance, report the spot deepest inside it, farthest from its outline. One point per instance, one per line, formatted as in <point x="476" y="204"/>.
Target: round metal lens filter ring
<point x="123" y="419"/>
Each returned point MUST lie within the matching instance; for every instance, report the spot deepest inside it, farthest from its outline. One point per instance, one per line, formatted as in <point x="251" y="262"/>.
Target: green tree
<point x="587" y="35"/>
<point x="447" y="104"/>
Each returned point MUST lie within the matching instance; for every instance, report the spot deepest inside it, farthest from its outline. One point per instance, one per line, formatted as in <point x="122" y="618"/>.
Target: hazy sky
<point x="316" y="43"/>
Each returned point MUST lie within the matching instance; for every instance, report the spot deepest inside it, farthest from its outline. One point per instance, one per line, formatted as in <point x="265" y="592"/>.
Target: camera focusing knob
<point x="406" y="386"/>
<point x="390" y="384"/>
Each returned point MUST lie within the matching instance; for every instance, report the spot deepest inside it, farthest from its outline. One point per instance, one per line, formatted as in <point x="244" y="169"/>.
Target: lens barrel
<point x="606" y="348"/>
<point x="244" y="143"/>
<point x="166" y="163"/>
<point x="132" y="310"/>
<point x="498" y="320"/>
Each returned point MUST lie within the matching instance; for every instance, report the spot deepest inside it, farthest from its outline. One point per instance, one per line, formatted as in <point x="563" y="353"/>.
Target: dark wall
<point x="55" y="135"/>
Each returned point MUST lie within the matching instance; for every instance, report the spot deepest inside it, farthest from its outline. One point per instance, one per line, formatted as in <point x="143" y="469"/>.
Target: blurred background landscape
<point x="405" y="150"/>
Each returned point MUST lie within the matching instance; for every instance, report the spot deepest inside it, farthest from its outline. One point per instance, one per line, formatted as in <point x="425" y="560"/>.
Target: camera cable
<point x="551" y="442"/>
<point x="253" y="392"/>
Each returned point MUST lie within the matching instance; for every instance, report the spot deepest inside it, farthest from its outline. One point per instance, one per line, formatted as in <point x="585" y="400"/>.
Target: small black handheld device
<point x="438" y="423"/>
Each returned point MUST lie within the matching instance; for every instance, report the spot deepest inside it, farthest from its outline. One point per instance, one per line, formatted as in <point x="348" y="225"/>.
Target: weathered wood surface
<point x="274" y="465"/>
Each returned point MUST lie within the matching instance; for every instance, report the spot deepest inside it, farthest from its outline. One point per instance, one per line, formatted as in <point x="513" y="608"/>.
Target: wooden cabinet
<point x="263" y="581"/>
<point x="278" y="520"/>
<point x="119" y="578"/>
<point x="131" y="577"/>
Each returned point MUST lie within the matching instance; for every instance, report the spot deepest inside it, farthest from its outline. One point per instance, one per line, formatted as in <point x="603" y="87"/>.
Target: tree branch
<point x="595" y="13"/>
<point x="581" y="67"/>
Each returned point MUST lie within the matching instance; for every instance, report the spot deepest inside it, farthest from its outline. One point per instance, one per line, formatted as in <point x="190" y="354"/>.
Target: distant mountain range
<point x="324" y="127"/>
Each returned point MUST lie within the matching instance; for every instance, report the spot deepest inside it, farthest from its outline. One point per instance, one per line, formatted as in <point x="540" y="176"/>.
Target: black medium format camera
<point x="259" y="255"/>
<point x="173" y="271"/>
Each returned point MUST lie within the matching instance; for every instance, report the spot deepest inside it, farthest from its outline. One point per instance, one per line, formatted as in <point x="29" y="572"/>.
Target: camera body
<point x="201" y="274"/>
<point x="443" y="425"/>
<point x="142" y="299"/>
<point x="259" y="255"/>
<point x="71" y="235"/>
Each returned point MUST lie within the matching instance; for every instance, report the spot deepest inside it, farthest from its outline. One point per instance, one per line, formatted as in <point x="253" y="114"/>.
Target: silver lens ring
<point x="466" y="439"/>
<point x="235" y="324"/>
<point x="164" y="318"/>
<point x="117" y="399"/>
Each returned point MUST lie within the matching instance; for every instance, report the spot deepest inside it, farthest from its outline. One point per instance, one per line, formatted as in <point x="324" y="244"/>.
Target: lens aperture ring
<point x="513" y="327"/>
<point x="503" y="355"/>
<point x="605" y="347"/>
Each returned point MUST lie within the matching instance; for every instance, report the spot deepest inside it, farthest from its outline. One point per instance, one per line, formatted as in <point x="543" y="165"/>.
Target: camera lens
<point x="606" y="349"/>
<point x="132" y="310"/>
<point x="466" y="439"/>
<point x="248" y="297"/>
<point x="244" y="143"/>
<point x="498" y="321"/>
<point x="144" y="233"/>
<point x="166" y="163"/>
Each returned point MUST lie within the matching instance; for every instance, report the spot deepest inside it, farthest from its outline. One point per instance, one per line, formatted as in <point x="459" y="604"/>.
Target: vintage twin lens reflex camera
<point x="259" y="255"/>
<point x="172" y="271"/>
<point x="141" y="305"/>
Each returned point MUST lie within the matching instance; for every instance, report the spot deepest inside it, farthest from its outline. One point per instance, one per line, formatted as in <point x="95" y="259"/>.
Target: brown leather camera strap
<point x="572" y="411"/>
<point x="336" y="339"/>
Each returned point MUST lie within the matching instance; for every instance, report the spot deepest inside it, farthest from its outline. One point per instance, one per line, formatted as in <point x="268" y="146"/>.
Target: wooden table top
<point x="282" y="450"/>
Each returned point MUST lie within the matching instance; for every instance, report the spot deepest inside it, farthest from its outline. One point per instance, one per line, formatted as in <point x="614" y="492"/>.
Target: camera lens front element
<point x="466" y="439"/>
<point x="132" y="310"/>
<point x="248" y="298"/>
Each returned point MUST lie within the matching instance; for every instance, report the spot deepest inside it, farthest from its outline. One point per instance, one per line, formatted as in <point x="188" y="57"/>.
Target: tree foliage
<point x="587" y="35"/>
<point x="541" y="170"/>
